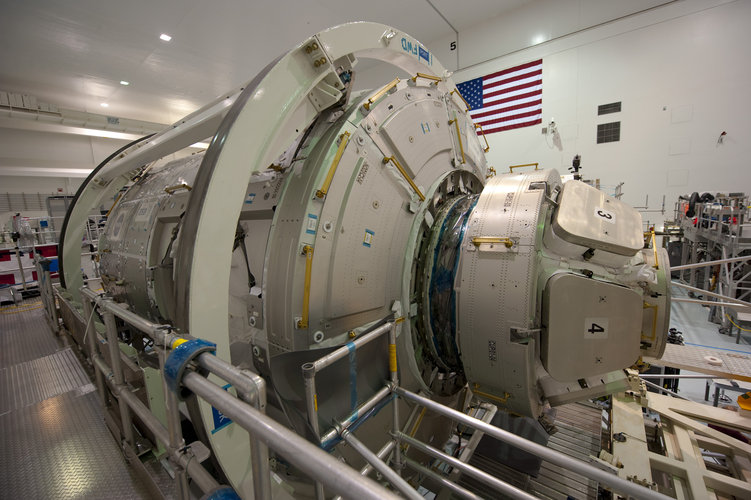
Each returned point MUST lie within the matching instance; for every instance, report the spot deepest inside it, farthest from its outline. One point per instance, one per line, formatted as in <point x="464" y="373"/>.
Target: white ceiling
<point x="74" y="53"/>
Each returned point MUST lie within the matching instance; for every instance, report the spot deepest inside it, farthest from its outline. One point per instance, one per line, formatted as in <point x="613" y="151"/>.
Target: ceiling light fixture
<point x="123" y="82"/>
<point x="165" y="37"/>
<point x="104" y="105"/>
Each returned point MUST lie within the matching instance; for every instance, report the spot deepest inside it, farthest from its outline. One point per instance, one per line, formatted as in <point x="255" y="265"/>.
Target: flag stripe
<point x="510" y="125"/>
<point x="498" y="110"/>
<point x="515" y="68"/>
<point x="505" y="92"/>
<point x="516" y="96"/>
<point x="493" y="84"/>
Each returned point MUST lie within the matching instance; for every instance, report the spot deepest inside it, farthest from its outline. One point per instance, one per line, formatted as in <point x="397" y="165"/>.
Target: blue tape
<point x="352" y="376"/>
<point x="717" y="348"/>
<point x="180" y="356"/>
<point x="223" y="493"/>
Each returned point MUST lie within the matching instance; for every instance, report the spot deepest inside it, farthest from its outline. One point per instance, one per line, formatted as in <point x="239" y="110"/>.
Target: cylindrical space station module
<point x="318" y="213"/>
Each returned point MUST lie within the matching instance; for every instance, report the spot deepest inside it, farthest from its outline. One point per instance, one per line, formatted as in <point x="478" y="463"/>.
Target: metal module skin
<point x="316" y="214"/>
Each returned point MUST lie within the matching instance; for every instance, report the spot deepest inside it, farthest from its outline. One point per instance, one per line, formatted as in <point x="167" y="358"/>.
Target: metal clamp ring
<point x="174" y="367"/>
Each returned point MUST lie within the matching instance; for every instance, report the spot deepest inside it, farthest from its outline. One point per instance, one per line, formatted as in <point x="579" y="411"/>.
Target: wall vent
<point x="613" y="107"/>
<point x="608" y="132"/>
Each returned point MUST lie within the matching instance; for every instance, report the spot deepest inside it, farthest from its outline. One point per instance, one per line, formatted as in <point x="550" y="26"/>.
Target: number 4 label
<point x="595" y="328"/>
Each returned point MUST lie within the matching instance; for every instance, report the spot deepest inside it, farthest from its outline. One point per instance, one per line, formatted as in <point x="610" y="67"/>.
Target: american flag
<point x="508" y="99"/>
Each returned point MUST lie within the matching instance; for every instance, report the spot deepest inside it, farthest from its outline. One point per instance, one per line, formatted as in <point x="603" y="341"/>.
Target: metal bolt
<point x="352" y="334"/>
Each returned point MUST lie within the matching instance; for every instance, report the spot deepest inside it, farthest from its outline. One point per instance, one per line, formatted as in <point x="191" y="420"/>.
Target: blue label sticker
<point x="312" y="224"/>
<point x="220" y="419"/>
<point x="249" y="199"/>
<point x="424" y="54"/>
<point x="368" y="238"/>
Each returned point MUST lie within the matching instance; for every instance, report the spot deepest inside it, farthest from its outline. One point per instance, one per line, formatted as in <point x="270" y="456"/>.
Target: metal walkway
<point x="53" y="438"/>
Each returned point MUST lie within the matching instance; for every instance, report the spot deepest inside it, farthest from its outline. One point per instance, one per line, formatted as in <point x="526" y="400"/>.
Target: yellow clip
<point x="401" y="170"/>
<point x="481" y="240"/>
<point x="392" y="358"/>
<point x="178" y="342"/>
<point x="512" y="167"/>
<point x="427" y="77"/>
<point x="343" y="139"/>
<point x="487" y="146"/>
<point x="455" y="121"/>
<point x="380" y="93"/>
<point x="655" y="308"/>
<point x="456" y="91"/>
<point x="172" y="189"/>
<point x="303" y="321"/>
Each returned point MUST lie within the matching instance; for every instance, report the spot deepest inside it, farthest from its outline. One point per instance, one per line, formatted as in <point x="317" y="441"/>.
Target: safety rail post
<point x="126" y="420"/>
<point x="91" y="339"/>
<point x="309" y="458"/>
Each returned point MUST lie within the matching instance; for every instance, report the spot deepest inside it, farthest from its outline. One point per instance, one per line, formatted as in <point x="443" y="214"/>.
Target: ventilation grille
<point x="608" y="132"/>
<point x="613" y="107"/>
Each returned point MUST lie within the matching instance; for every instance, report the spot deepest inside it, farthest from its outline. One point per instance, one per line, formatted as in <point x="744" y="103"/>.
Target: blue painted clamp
<point x="221" y="493"/>
<point x="174" y="367"/>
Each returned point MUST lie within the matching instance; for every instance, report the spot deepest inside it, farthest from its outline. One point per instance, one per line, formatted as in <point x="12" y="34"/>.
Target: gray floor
<point x="54" y="441"/>
<point x="691" y="319"/>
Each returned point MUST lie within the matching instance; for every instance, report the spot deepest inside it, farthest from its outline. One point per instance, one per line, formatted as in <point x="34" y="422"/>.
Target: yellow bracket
<point x="455" y="121"/>
<point x="427" y="77"/>
<point x="178" y="187"/>
<point x="401" y="170"/>
<point x="487" y="146"/>
<point x="380" y="93"/>
<point x="502" y="400"/>
<point x="654" y="249"/>
<point x="343" y="140"/>
<point x="490" y="240"/>
<point x="512" y="167"/>
<point x="655" y="307"/>
<point x="456" y="91"/>
<point x="307" y="250"/>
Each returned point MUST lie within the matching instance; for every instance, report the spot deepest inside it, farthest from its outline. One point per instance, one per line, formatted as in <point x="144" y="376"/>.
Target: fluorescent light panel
<point x="165" y="37"/>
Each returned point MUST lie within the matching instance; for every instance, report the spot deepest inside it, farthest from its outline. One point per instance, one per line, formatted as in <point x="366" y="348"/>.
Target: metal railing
<point x="246" y="410"/>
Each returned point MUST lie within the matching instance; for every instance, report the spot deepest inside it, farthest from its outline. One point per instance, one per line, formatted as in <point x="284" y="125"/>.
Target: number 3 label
<point x="602" y="214"/>
<point x="596" y="328"/>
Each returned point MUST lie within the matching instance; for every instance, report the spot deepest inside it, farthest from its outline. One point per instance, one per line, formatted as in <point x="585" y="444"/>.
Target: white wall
<point x="682" y="72"/>
<point x="26" y="157"/>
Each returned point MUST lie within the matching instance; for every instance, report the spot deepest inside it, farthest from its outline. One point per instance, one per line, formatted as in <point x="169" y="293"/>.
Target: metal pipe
<point x="474" y="472"/>
<point x="710" y="294"/>
<point x="311" y="397"/>
<point x="711" y="303"/>
<point x="382" y="454"/>
<point x="160" y="333"/>
<point x="394" y="377"/>
<point x="343" y="351"/>
<point x="709" y="263"/>
<point x="619" y="484"/>
<point x="655" y="375"/>
<point x="442" y="480"/>
<point x="175" y="435"/>
<point x="250" y="387"/>
<point x="309" y="458"/>
<point x="666" y="391"/>
<point x="361" y="410"/>
<point x="113" y="346"/>
<point x="200" y="475"/>
<point x="90" y="337"/>
<point x="387" y="472"/>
